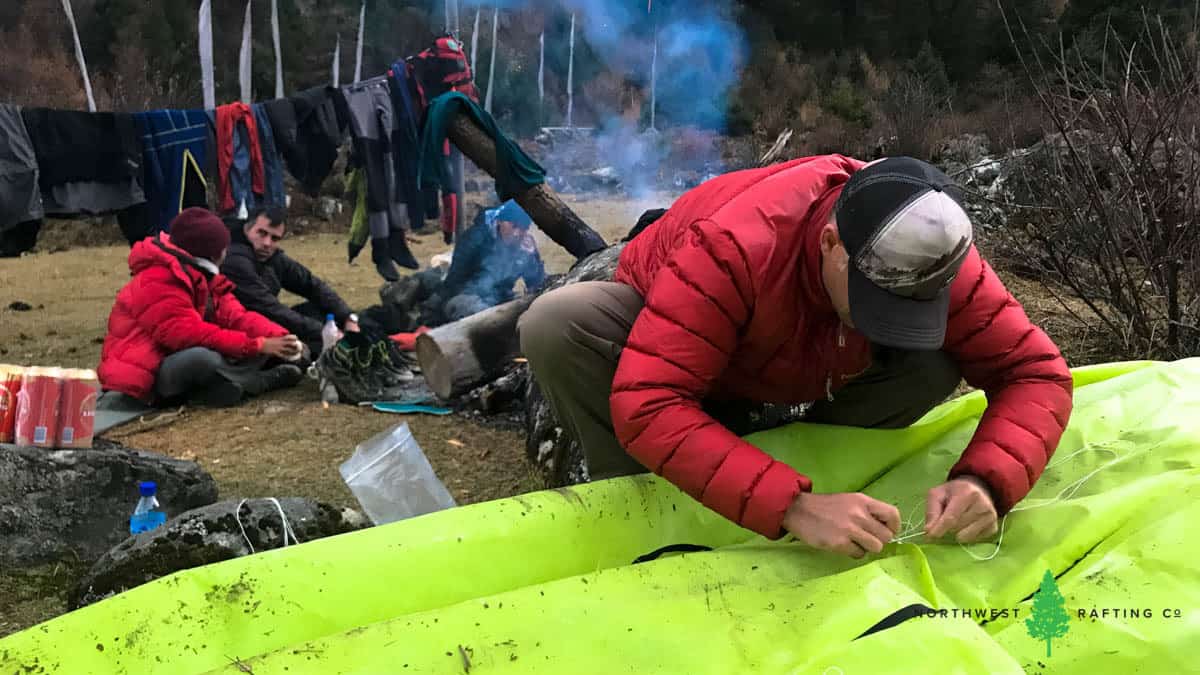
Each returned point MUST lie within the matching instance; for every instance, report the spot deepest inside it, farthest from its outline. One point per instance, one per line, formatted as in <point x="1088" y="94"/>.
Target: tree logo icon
<point x="1049" y="618"/>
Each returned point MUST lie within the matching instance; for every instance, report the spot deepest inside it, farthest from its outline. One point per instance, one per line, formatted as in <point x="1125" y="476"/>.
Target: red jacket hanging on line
<point x="735" y="306"/>
<point x="228" y="117"/>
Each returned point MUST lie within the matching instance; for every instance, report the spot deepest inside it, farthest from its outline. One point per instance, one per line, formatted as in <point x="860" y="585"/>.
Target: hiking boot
<point x="383" y="261"/>
<point x="221" y="394"/>
<point x="281" y="377"/>
<point x="398" y="243"/>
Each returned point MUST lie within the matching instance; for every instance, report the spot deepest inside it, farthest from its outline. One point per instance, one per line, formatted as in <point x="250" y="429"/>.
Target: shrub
<point x="1120" y="186"/>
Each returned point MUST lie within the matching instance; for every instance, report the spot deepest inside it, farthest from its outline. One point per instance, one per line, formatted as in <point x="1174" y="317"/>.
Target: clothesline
<point x="171" y="153"/>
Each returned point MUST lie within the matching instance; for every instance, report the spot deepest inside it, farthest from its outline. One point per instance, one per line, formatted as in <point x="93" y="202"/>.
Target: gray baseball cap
<point x="907" y="234"/>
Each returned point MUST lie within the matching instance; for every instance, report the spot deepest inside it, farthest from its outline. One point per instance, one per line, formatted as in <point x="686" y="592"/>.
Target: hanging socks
<point x="398" y="244"/>
<point x="383" y="260"/>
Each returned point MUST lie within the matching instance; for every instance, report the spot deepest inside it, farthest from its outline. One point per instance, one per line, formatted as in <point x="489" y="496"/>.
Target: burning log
<point x="498" y="394"/>
<point x="542" y="204"/>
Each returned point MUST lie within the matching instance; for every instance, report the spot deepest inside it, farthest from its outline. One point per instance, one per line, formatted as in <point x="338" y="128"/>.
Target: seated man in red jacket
<point x="177" y="332"/>
<point x="857" y="287"/>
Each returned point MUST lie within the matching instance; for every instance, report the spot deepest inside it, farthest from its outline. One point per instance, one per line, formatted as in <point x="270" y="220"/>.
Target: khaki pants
<point x="573" y="337"/>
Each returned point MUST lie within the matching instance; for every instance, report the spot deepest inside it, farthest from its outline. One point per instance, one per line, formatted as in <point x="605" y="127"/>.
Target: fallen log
<point x="542" y="204"/>
<point x="457" y="357"/>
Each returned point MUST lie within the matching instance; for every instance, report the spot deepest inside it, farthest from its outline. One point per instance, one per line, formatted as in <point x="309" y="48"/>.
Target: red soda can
<point x="37" y="408"/>
<point x="77" y="408"/>
<point x="10" y="387"/>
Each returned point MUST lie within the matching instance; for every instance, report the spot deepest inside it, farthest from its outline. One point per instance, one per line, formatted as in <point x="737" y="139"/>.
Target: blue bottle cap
<point x="329" y="317"/>
<point x="148" y="488"/>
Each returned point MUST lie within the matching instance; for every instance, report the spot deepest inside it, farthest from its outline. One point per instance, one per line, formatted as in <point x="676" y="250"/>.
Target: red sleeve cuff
<point x="772" y="496"/>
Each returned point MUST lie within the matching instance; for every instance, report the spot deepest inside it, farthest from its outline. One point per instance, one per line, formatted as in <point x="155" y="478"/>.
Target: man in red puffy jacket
<point x="853" y="286"/>
<point x="177" y="331"/>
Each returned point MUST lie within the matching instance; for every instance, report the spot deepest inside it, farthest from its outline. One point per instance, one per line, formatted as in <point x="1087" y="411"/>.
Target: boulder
<point x="77" y="503"/>
<point x="222" y="531"/>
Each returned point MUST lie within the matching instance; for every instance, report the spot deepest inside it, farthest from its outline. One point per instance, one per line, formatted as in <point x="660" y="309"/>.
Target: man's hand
<point x="852" y="524"/>
<point x="287" y="347"/>
<point x="963" y="506"/>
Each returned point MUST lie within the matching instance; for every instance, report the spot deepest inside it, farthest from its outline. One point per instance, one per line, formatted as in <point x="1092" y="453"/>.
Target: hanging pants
<point x="372" y="125"/>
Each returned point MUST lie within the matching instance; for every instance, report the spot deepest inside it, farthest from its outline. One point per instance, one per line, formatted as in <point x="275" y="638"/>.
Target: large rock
<point x="77" y="503"/>
<point x="210" y="534"/>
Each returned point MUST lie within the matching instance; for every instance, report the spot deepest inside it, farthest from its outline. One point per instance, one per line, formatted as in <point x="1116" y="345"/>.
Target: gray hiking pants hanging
<point x="187" y="372"/>
<point x="20" y="196"/>
<point x="573" y="338"/>
<point x="372" y="125"/>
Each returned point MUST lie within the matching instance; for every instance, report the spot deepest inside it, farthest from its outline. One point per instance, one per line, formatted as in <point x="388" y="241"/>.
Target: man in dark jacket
<point x="489" y="258"/>
<point x="261" y="269"/>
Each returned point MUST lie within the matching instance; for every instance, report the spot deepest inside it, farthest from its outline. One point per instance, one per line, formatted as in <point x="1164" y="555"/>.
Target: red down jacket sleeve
<point x="171" y="319"/>
<point x="1024" y="376"/>
<point x="680" y="344"/>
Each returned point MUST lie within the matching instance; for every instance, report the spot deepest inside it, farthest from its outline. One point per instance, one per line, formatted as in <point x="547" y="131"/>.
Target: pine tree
<point x="1049" y="618"/>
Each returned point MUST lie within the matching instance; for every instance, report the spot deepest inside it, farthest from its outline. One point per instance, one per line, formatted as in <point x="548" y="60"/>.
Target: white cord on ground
<point x="287" y="527"/>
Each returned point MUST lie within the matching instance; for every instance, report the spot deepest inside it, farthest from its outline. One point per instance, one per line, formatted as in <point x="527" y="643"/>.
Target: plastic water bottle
<point x="146" y="516"/>
<point x="329" y="334"/>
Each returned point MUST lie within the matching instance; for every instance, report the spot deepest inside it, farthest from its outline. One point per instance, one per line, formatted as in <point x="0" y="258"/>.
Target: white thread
<point x="914" y="531"/>
<point x="287" y="527"/>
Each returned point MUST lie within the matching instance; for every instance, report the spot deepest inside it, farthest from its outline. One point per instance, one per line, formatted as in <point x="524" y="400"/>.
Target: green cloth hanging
<point x="359" y="231"/>
<point x="516" y="171"/>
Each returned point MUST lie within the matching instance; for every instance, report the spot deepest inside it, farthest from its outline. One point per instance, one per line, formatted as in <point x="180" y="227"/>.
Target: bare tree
<point x="1122" y="174"/>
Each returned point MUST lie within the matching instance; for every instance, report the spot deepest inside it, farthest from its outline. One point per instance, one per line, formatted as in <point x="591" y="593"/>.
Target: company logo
<point x="1049" y="618"/>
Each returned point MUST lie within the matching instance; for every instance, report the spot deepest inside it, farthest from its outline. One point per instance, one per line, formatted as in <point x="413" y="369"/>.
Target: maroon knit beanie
<point x="200" y="232"/>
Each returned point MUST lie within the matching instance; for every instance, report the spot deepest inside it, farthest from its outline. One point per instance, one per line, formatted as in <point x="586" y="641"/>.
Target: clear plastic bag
<point x="392" y="478"/>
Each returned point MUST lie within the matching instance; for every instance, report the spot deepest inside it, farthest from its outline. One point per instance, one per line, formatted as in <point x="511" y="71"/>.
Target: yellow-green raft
<point x="546" y="582"/>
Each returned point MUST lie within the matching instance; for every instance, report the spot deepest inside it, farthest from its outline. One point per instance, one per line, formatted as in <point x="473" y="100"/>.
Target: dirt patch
<point x="36" y="594"/>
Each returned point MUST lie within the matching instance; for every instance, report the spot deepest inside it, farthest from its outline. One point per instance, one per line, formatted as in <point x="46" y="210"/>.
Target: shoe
<point x="222" y="394"/>
<point x="398" y="243"/>
<point x="383" y="260"/>
<point x="280" y="377"/>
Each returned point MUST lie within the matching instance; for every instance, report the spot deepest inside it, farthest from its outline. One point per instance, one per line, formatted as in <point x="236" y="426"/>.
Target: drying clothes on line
<point x="308" y="129"/>
<point x="443" y="68"/>
<point x="372" y="126"/>
<point x="454" y="194"/>
<point x="20" y="198"/>
<point x="406" y="144"/>
<point x="177" y="147"/>
<point x="239" y="157"/>
<point x="272" y="165"/>
<point x="356" y="186"/>
<point x="89" y="163"/>
<point x="516" y="171"/>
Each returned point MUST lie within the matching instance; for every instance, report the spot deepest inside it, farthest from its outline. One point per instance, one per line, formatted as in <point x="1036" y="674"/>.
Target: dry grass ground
<point x="285" y="444"/>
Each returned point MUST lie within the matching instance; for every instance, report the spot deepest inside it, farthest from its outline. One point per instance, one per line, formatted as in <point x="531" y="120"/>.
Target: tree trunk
<point x="460" y="356"/>
<point x="542" y="204"/>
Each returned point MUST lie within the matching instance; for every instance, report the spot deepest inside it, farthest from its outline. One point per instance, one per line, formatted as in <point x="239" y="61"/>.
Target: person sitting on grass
<point x="260" y="269"/>
<point x="489" y="258"/>
<point x="177" y="333"/>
